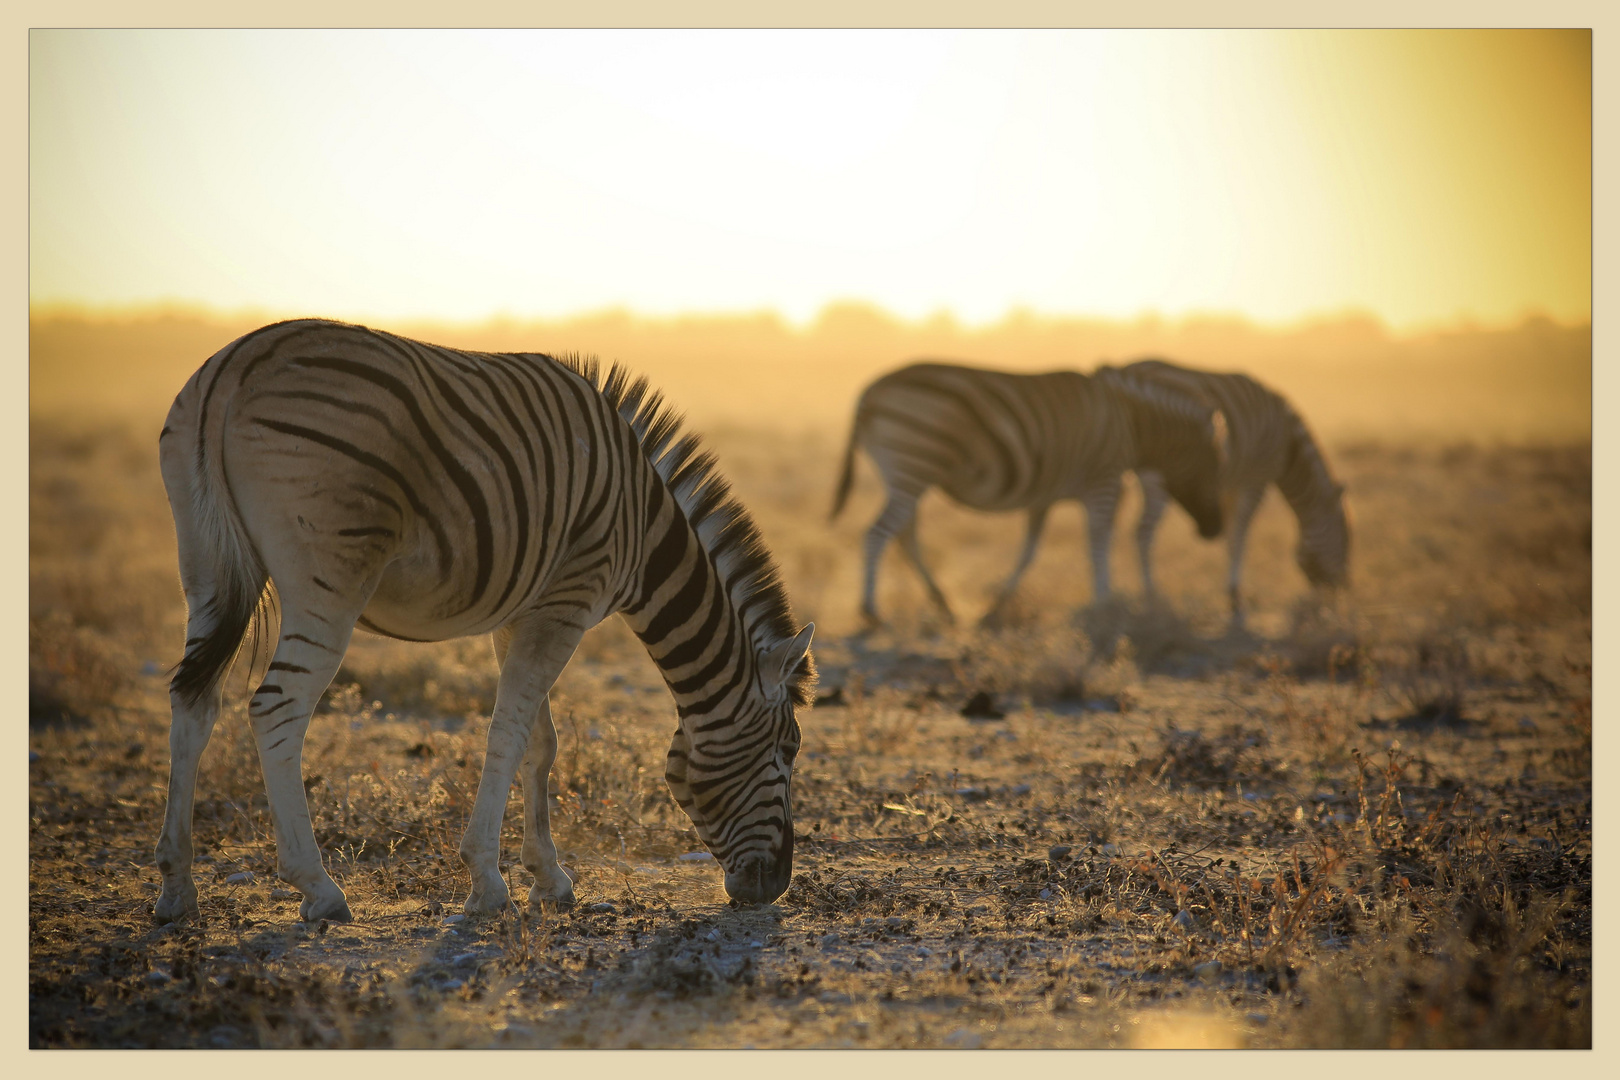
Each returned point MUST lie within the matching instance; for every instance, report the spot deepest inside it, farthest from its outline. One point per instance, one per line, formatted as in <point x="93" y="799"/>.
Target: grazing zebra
<point x="427" y="493"/>
<point x="993" y="440"/>
<point x="1268" y="444"/>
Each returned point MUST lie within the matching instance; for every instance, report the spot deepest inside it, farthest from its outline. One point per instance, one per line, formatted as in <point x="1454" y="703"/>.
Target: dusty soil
<point x="1365" y="824"/>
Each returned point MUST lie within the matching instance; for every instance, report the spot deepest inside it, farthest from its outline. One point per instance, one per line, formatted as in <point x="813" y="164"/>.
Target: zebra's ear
<point x="777" y="666"/>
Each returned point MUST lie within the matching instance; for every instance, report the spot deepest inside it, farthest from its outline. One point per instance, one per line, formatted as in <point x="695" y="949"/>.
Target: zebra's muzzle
<point x="758" y="881"/>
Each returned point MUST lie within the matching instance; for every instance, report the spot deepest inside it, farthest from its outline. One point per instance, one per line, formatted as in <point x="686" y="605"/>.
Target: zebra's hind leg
<point x="533" y="653"/>
<point x="900" y="510"/>
<point x="1154" y="500"/>
<point x="189" y="729"/>
<point x="1242" y="515"/>
<point x="314" y="634"/>
<point x="1032" y="539"/>
<point x="913" y="550"/>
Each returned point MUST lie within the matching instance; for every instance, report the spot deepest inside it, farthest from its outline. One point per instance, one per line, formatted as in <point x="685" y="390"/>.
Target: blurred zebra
<point x="426" y="493"/>
<point x="993" y="440"/>
<point x="1268" y="444"/>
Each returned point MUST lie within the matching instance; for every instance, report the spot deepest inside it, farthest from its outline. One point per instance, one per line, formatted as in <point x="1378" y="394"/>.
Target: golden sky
<point x="1420" y="176"/>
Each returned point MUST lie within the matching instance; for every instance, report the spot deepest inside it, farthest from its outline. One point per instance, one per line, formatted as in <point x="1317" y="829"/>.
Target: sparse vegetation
<point x="1360" y="824"/>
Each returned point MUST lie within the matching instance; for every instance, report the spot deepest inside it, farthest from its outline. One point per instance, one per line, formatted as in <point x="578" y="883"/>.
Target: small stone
<point x="244" y="877"/>
<point x="963" y="1039"/>
<point x="156" y="977"/>
<point x="451" y="920"/>
<point x="1021" y="789"/>
<point x="1183" y="921"/>
<point x="1207" y="970"/>
<point x="1110" y="850"/>
<point x="283" y="894"/>
<point x="829" y="941"/>
<point x="1046" y="894"/>
<point x="1258" y="1018"/>
<point x="697" y="856"/>
<point x="33" y="756"/>
<point x="604" y="907"/>
<point x="464" y="957"/>
<point x="1059" y="852"/>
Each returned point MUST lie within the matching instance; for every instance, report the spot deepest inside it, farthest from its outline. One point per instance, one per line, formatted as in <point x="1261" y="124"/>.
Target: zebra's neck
<point x="684" y="613"/>
<point x="1306" y="482"/>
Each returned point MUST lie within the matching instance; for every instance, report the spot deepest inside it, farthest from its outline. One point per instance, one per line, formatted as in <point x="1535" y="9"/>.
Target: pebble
<point x="1183" y="921"/>
<point x="1258" y="1018"/>
<point x="697" y="856"/>
<point x="829" y="941"/>
<point x="464" y="957"/>
<point x="245" y="877"/>
<point x="33" y="756"/>
<point x="1110" y="850"/>
<point x="963" y="1039"/>
<point x="156" y="977"/>
<point x="1207" y="970"/>
<point x="1061" y="851"/>
<point x="283" y="894"/>
<point x="451" y="920"/>
<point x="604" y="907"/>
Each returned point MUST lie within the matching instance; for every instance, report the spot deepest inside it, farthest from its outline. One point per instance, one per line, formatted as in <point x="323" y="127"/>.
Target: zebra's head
<point x="731" y="770"/>
<point x="1324" y="543"/>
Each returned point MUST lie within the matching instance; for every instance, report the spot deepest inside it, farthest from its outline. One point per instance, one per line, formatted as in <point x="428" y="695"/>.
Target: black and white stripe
<point x="426" y="493"/>
<point x="1268" y="444"/>
<point x="993" y="440"/>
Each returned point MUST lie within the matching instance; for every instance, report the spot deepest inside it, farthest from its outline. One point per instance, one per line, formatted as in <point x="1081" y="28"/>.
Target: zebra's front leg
<point x="1154" y="500"/>
<point x="535" y="652"/>
<point x="552" y="883"/>
<point x="1101" y="502"/>
<point x="913" y="550"/>
<point x="1032" y="538"/>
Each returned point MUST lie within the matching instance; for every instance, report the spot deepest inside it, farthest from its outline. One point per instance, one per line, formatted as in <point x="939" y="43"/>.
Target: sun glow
<point x="1419" y="176"/>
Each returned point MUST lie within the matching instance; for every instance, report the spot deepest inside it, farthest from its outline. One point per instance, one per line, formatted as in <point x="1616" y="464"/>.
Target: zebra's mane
<point x="724" y="527"/>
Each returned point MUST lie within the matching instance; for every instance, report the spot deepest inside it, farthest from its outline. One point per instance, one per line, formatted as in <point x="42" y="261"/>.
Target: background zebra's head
<point x="733" y="773"/>
<point x="1182" y="436"/>
<point x="1324" y="541"/>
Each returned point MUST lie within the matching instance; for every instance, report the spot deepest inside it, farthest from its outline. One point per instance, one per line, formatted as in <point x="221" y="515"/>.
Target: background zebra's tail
<point x="847" y="479"/>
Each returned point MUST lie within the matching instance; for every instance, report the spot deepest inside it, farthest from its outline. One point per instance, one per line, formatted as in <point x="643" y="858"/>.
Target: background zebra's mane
<point x="725" y="528"/>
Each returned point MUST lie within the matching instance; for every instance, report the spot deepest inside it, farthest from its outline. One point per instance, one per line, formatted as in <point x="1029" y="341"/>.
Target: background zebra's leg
<point x="535" y="651"/>
<point x="908" y="542"/>
<point x="900" y="510"/>
<point x="1032" y="538"/>
<point x="1154" y="500"/>
<point x="1100" y="503"/>
<point x="1243" y="508"/>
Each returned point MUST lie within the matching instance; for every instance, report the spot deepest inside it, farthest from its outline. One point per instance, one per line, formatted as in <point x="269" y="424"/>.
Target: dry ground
<point x="1368" y="825"/>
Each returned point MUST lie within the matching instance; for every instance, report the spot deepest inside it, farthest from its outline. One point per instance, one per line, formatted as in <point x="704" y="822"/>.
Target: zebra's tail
<point x="223" y="576"/>
<point x="847" y="479"/>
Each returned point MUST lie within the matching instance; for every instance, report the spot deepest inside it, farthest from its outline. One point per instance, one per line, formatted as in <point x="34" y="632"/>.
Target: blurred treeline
<point x="1352" y="377"/>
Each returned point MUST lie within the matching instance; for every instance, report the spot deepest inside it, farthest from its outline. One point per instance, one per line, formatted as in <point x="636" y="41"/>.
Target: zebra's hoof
<point x="330" y="908"/>
<point x="182" y="905"/>
<point x="542" y="902"/>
